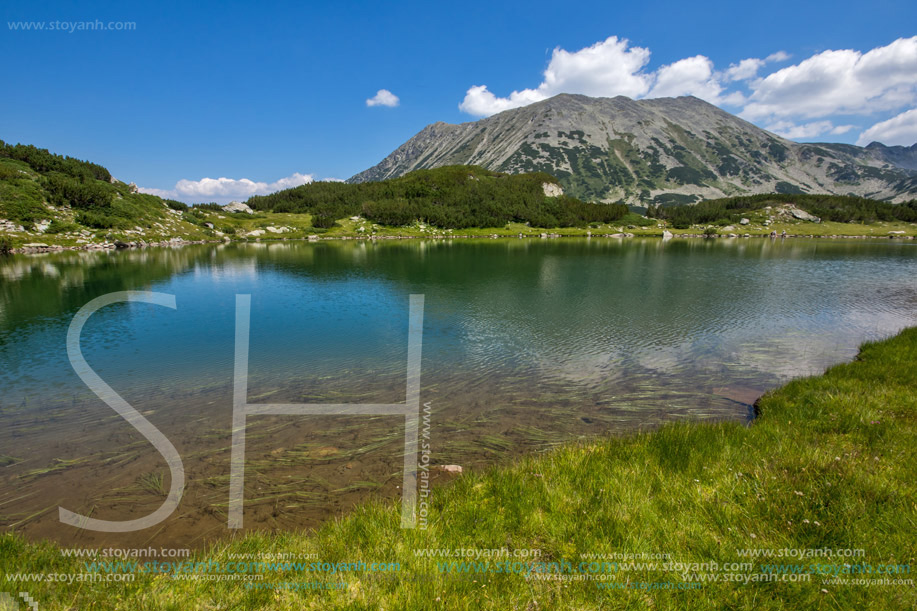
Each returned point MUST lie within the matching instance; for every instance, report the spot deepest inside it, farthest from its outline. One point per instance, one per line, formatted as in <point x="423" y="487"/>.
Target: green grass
<point x="829" y="463"/>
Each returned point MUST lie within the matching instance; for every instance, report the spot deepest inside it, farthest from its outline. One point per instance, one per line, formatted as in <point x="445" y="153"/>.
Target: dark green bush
<point x="61" y="227"/>
<point x="66" y="191"/>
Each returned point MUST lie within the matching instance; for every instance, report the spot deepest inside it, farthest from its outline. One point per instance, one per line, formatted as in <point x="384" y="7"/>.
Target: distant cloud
<point x="690" y="76"/>
<point x="901" y="129"/>
<point x="803" y="100"/>
<point x="839" y="82"/>
<point x="605" y="69"/>
<point x="791" y="130"/>
<point x="612" y="67"/>
<point x="779" y="56"/>
<point x="223" y="190"/>
<point x="383" y="97"/>
<point x="745" y="69"/>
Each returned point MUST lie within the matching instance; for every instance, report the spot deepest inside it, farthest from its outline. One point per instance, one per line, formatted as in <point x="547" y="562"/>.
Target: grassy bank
<point x="829" y="464"/>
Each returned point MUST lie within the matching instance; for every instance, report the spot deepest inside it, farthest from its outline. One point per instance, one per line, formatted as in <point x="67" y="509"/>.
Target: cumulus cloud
<point x="839" y="82"/>
<point x="745" y="69"/>
<point x="605" y="69"/>
<point x="690" y="76"/>
<point x="793" y="131"/>
<point x="383" y="97"/>
<point x="901" y="129"/>
<point x="612" y="67"/>
<point x="802" y="100"/>
<point x="226" y="189"/>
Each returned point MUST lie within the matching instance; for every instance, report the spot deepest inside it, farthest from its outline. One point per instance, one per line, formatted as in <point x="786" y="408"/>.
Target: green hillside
<point x="69" y="201"/>
<point x="451" y="197"/>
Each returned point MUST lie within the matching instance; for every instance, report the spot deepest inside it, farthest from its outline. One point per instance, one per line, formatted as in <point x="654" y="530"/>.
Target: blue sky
<point x="275" y="93"/>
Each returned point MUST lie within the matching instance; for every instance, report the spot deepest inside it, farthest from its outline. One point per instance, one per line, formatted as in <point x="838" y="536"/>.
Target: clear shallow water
<point x="526" y="343"/>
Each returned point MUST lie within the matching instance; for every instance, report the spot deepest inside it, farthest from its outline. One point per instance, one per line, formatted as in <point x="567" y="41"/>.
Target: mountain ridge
<point x="653" y="151"/>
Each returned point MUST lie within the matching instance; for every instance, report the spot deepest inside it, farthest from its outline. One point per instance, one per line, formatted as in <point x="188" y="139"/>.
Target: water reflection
<point x="527" y="343"/>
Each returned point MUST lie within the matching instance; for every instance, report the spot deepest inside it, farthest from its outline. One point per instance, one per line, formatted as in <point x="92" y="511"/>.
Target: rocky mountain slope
<point x="659" y="151"/>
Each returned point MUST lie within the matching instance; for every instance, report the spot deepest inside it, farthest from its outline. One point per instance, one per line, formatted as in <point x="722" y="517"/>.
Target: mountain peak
<point x="651" y="151"/>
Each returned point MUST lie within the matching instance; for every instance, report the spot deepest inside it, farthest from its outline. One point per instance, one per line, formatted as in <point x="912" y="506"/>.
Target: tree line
<point x="452" y="197"/>
<point x="838" y="208"/>
<point x="44" y="162"/>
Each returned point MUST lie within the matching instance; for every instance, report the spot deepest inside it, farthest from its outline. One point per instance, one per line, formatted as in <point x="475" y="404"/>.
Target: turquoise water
<point x="526" y="343"/>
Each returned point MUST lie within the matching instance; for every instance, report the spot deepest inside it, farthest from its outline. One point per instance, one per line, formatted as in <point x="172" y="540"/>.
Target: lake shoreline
<point x="178" y="242"/>
<point x="823" y="466"/>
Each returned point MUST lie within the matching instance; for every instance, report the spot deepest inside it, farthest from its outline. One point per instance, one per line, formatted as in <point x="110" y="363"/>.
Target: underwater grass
<point x="829" y="463"/>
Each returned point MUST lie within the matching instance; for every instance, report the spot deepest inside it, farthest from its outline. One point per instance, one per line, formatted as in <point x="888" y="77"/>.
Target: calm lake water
<point x="526" y="344"/>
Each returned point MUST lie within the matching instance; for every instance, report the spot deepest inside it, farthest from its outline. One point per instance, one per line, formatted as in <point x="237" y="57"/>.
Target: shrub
<point x="97" y="220"/>
<point x="65" y="191"/>
<point x="60" y="227"/>
<point x="6" y="245"/>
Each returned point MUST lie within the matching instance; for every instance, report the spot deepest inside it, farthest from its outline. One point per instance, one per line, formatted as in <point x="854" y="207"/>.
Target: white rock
<point x="802" y="215"/>
<point x="551" y="189"/>
<point x="744" y="221"/>
<point x="451" y="468"/>
<point x="238" y="207"/>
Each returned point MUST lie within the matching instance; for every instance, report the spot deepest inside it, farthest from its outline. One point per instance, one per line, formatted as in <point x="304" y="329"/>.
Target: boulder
<point x="744" y="221"/>
<point x="802" y="215"/>
<point x="667" y="235"/>
<point x="238" y="207"/>
<point x="551" y="189"/>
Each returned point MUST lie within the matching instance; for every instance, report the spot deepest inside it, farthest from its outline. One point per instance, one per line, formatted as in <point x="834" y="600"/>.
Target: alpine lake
<point x="526" y="344"/>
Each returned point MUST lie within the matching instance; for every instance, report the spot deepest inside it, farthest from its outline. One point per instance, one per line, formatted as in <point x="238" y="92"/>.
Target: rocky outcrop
<point x="551" y="189"/>
<point x="237" y="207"/>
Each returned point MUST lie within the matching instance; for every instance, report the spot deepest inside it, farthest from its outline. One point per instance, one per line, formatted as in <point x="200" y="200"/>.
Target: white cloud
<point x="803" y="100"/>
<point x="791" y="130"/>
<point x="612" y="67"/>
<point x="606" y="69"/>
<point x="226" y="189"/>
<point x="901" y="129"/>
<point x="689" y="76"/>
<point x="745" y="69"/>
<point x="779" y="56"/>
<point x="842" y="129"/>
<point x="383" y="97"/>
<point x="839" y="82"/>
<point x="482" y="103"/>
